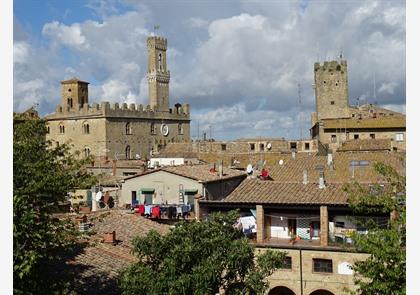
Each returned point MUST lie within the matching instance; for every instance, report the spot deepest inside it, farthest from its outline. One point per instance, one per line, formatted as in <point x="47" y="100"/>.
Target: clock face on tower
<point x="164" y="129"/>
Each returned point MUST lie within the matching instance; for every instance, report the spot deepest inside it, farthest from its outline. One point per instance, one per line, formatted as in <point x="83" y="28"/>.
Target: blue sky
<point x="237" y="63"/>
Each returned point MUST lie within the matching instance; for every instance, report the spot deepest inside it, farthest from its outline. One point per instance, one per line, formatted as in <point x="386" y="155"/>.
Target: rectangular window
<point x="332" y="102"/>
<point x="252" y="146"/>
<point x="307" y="146"/>
<point x="287" y="263"/>
<point x="333" y="138"/>
<point x="399" y="136"/>
<point x="372" y="135"/>
<point x="293" y="145"/>
<point x="134" y="197"/>
<point x="322" y="265"/>
<point x="356" y="136"/>
<point x="223" y="147"/>
<point x="261" y="147"/>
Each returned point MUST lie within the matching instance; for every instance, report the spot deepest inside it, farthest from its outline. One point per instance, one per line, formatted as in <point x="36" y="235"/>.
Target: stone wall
<point x="331" y="90"/>
<point x="335" y="282"/>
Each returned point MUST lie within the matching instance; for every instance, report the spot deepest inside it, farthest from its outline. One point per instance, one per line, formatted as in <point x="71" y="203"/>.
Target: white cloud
<point x="70" y="36"/>
<point x="20" y="52"/>
<point x="197" y="23"/>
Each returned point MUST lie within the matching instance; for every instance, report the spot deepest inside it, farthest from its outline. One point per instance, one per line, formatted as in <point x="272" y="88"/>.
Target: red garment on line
<point x="141" y="209"/>
<point x="156" y="212"/>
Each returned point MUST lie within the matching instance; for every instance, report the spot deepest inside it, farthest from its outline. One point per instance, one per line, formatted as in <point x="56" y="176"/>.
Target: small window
<point x="356" y="136"/>
<point x="69" y="90"/>
<point x="332" y="102"/>
<point x="287" y="263"/>
<point x="152" y="128"/>
<point x="322" y="265"/>
<point x="261" y="147"/>
<point x="325" y="82"/>
<point x="86" y="128"/>
<point x="70" y="102"/>
<point x="223" y="147"/>
<point x="353" y="115"/>
<point x="252" y="146"/>
<point x="48" y="129"/>
<point x="399" y="137"/>
<point x="87" y="152"/>
<point x="180" y="129"/>
<point x="372" y="135"/>
<point x="307" y="146"/>
<point x="333" y="138"/>
<point x="128" y="153"/>
<point x="293" y="145"/>
<point x="128" y="130"/>
<point x="61" y="127"/>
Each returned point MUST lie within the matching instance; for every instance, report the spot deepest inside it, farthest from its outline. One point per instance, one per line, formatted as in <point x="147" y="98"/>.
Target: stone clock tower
<point x="158" y="74"/>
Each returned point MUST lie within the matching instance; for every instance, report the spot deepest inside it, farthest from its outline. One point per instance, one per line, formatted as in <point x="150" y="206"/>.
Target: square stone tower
<point x="158" y="74"/>
<point x="74" y="93"/>
<point x="331" y="90"/>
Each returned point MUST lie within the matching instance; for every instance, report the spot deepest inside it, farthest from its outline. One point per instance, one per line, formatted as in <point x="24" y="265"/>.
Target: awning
<point x="147" y="190"/>
<point x="190" y="191"/>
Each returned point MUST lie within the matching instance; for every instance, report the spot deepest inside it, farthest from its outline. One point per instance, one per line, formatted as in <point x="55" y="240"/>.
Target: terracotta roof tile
<point x="341" y="169"/>
<point x="96" y="266"/>
<point x="274" y="192"/>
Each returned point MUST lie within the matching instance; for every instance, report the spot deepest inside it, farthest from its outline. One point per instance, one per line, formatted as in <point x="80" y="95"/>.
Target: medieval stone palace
<point x="119" y="130"/>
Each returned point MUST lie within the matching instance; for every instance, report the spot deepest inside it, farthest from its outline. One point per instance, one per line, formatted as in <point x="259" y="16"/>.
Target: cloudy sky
<point x="237" y="63"/>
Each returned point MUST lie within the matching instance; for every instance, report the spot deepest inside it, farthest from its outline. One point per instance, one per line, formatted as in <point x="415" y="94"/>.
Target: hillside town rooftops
<point x="366" y="145"/>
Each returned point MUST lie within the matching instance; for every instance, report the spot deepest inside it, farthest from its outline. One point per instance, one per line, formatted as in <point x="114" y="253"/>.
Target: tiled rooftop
<point x="96" y="265"/>
<point x="274" y="192"/>
<point x="197" y="172"/>
<point x="341" y="169"/>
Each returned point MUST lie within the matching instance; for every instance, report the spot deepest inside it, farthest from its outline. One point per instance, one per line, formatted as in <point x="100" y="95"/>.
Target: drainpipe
<point x="301" y="274"/>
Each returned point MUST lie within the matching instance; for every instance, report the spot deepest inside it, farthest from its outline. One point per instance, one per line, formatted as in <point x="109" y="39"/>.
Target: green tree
<point x="383" y="272"/>
<point x="199" y="258"/>
<point x="42" y="176"/>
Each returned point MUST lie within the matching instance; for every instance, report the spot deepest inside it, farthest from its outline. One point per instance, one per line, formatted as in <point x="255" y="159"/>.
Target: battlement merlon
<point x="157" y="42"/>
<point x="331" y="65"/>
<point x="124" y="110"/>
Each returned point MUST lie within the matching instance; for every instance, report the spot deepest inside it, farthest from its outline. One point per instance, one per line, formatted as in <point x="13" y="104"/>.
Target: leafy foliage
<point x="383" y="272"/>
<point x="199" y="258"/>
<point x="42" y="176"/>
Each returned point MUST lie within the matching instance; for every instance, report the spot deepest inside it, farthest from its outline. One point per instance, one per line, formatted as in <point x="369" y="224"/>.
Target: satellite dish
<point x="98" y="196"/>
<point x="281" y="162"/>
<point x="269" y="145"/>
<point x="249" y="169"/>
<point x="137" y="156"/>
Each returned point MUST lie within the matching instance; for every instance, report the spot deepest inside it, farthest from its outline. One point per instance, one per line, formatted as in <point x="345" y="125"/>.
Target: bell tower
<point x="74" y="92"/>
<point x="158" y="74"/>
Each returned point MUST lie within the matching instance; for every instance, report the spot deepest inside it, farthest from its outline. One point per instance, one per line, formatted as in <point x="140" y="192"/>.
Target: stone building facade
<point x="116" y="130"/>
<point x="335" y="121"/>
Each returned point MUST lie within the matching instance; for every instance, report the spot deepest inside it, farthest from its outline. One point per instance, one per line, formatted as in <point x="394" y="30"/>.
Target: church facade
<point x="121" y="131"/>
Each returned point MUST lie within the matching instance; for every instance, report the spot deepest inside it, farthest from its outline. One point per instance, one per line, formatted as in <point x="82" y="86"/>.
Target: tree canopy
<point x="383" y="272"/>
<point x="42" y="176"/>
<point x="199" y="258"/>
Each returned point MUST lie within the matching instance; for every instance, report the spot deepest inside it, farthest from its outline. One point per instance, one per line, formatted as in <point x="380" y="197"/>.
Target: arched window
<point x="180" y="129"/>
<point x="160" y="61"/>
<point x="70" y="102"/>
<point x="86" y="128"/>
<point x="128" y="128"/>
<point x="87" y="152"/>
<point x="128" y="153"/>
<point x="61" y="127"/>
<point x="152" y="128"/>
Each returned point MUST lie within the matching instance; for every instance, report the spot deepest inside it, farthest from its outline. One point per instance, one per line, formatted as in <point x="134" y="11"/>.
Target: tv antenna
<point x="300" y="109"/>
<point x="374" y="89"/>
